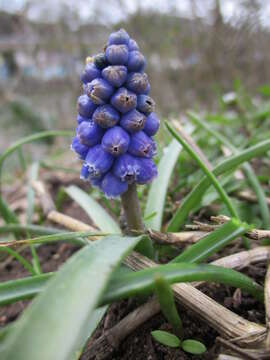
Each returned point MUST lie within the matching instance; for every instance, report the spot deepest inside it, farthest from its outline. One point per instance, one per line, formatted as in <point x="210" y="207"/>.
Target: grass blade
<point x="31" y="138"/>
<point x="195" y="196"/>
<point x="143" y="281"/>
<point x="53" y="326"/>
<point x="21" y="289"/>
<point x="7" y="214"/>
<point x="73" y="237"/>
<point x="165" y="297"/>
<point x="155" y="204"/>
<point x="31" y="229"/>
<point x="33" y="175"/>
<point x="209" y="174"/>
<point x="213" y="242"/>
<point x="95" y="211"/>
<point x="252" y="178"/>
<point x="26" y="264"/>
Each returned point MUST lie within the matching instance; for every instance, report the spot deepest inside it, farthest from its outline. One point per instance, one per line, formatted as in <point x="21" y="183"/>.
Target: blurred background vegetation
<point x="197" y="51"/>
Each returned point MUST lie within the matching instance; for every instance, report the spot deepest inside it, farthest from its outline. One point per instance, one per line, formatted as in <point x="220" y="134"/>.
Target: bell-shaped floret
<point x="116" y="75"/>
<point x="99" y="91"/>
<point x="112" y="186"/>
<point x="98" y="161"/>
<point x="117" y="54"/>
<point x="89" y="133"/>
<point x="152" y="124"/>
<point x="133" y="121"/>
<point x="124" y="100"/>
<point x="115" y="141"/>
<point x="141" y="145"/>
<point x="80" y="149"/>
<point x="126" y="168"/>
<point x="85" y="106"/>
<point x="106" y="116"/>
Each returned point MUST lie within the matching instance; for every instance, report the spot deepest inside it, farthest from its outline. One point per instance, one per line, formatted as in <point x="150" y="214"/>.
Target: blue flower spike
<point x="116" y="121"/>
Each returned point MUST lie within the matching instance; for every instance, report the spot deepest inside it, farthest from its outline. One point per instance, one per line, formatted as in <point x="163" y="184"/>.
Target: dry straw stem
<point x="228" y="357"/>
<point x="255" y="234"/>
<point x="176" y="238"/>
<point x="267" y="305"/>
<point x="250" y="196"/>
<point x="236" y="349"/>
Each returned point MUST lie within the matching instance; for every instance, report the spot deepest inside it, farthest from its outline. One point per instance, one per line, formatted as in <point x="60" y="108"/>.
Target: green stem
<point x="132" y="209"/>
<point x="205" y="169"/>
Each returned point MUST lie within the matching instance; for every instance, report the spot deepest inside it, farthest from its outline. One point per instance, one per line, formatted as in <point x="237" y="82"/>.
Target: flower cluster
<point x="116" y="118"/>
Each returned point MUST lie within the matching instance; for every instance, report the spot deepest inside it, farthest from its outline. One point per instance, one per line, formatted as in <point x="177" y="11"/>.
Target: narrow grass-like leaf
<point x="31" y="138"/>
<point x="31" y="229"/>
<point x="166" y="338"/>
<point x="193" y="347"/>
<point x="95" y="211"/>
<point x="26" y="264"/>
<point x="209" y="174"/>
<point x="33" y="175"/>
<point x="55" y="324"/>
<point x="157" y="193"/>
<point x="68" y="236"/>
<point x="165" y="297"/>
<point x="143" y="281"/>
<point x="212" y="242"/>
<point x="7" y="214"/>
<point x="195" y="196"/>
<point x="249" y="172"/>
<point x="21" y="289"/>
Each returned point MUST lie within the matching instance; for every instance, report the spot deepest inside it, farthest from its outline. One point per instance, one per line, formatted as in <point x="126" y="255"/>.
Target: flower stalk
<point x="132" y="209"/>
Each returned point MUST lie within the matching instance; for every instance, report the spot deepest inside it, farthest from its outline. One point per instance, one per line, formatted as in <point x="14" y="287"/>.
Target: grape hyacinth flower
<point x="116" y="121"/>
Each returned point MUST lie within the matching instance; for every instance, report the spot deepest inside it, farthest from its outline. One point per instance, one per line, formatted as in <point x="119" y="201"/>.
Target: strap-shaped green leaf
<point x="212" y="242"/>
<point x="158" y="190"/>
<point x="94" y="210"/>
<point x="195" y="196"/>
<point x="54" y="325"/>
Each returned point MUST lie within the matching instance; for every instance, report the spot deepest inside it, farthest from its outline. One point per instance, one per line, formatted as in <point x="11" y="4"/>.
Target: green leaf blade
<point x="212" y="242"/>
<point x="94" y="210"/>
<point x="155" y="203"/>
<point x="56" y="322"/>
<point x="192" y="199"/>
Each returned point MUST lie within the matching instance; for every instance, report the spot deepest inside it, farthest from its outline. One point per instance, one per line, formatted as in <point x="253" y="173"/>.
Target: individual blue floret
<point x="116" y="141"/>
<point x="112" y="186"/>
<point x="152" y="124"/>
<point x="133" y="121"/>
<point x="89" y="133"/>
<point x="106" y="116"/>
<point x="98" y="161"/>
<point x="141" y="145"/>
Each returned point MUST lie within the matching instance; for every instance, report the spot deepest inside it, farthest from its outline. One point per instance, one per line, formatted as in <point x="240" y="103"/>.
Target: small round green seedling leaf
<point x="193" y="347"/>
<point x="166" y="338"/>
